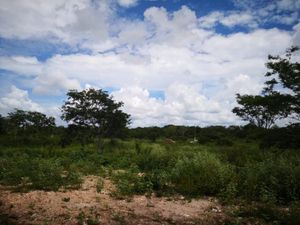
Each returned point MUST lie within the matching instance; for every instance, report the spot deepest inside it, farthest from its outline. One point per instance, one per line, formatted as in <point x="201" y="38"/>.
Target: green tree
<point x="2" y="125"/>
<point x="95" y="113"/>
<point x="263" y="111"/>
<point x="275" y="103"/>
<point x="29" y="120"/>
<point x="285" y="73"/>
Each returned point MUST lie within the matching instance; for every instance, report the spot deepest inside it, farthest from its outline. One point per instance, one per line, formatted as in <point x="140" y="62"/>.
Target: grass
<point x="239" y="172"/>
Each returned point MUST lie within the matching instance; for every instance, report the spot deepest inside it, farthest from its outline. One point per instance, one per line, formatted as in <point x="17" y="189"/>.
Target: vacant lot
<point x="146" y="182"/>
<point x="87" y="206"/>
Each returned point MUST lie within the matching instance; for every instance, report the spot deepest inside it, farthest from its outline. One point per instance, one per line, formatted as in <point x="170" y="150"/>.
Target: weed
<point x="200" y="174"/>
<point x="99" y="185"/>
<point x="119" y="219"/>
<point x="66" y="199"/>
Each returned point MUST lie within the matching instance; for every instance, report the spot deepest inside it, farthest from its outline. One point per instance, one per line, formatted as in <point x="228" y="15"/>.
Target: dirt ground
<point x="87" y="206"/>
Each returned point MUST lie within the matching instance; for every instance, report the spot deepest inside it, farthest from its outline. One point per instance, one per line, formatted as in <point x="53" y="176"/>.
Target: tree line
<point x="93" y="115"/>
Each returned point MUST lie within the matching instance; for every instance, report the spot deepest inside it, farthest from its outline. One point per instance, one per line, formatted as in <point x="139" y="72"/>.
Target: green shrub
<point x="273" y="180"/>
<point x="100" y="184"/>
<point x="160" y="180"/>
<point x="153" y="157"/>
<point x="268" y="214"/>
<point x="42" y="174"/>
<point x="130" y="182"/>
<point x="201" y="174"/>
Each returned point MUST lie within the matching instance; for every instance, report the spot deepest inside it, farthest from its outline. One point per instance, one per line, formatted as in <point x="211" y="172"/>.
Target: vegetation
<point x="94" y="113"/>
<point x="281" y="96"/>
<point x="257" y="164"/>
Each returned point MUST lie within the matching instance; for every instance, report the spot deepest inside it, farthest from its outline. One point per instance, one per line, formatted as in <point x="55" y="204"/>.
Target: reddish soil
<point x="72" y="207"/>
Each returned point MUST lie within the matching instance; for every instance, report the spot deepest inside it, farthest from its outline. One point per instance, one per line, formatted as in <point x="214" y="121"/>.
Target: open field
<point x="86" y="205"/>
<point x="146" y="182"/>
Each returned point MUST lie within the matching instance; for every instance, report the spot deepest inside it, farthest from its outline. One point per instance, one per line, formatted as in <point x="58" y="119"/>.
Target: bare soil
<point x="87" y="206"/>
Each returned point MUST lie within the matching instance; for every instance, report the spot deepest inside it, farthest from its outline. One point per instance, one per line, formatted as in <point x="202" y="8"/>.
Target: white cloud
<point x="182" y="105"/>
<point x="27" y="66"/>
<point x="229" y="19"/>
<point x="280" y="11"/>
<point x="54" y="83"/>
<point x="296" y="36"/>
<point x="198" y="70"/>
<point x="69" y="21"/>
<point x="127" y="3"/>
<point x="18" y="98"/>
<point x="234" y="19"/>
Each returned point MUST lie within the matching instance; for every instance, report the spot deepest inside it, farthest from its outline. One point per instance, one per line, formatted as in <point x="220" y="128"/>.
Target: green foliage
<point x="267" y="214"/>
<point x="273" y="180"/>
<point x="201" y="174"/>
<point x="153" y="157"/>
<point x="26" y="174"/>
<point x="99" y="185"/>
<point x="242" y="171"/>
<point x="283" y="138"/>
<point x="95" y="113"/>
<point x="264" y="110"/>
<point x="131" y="182"/>
<point x="21" y="119"/>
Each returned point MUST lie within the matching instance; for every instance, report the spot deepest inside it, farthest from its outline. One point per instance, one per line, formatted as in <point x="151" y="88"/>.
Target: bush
<point x="201" y="174"/>
<point x="273" y="180"/>
<point x="152" y="157"/>
<point x="99" y="185"/>
<point x="160" y="180"/>
<point x="267" y="214"/>
<point x="283" y="138"/>
<point x="42" y="174"/>
<point x="131" y="182"/>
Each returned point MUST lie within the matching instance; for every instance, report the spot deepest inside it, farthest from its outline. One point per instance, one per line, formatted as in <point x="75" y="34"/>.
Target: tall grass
<point x="241" y="171"/>
<point x="201" y="174"/>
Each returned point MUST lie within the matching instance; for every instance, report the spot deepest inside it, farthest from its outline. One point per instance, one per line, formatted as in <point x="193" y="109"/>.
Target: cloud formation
<point x="18" y="98"/>
<point x="176" y="52"/>
<point x="127" y="3"/>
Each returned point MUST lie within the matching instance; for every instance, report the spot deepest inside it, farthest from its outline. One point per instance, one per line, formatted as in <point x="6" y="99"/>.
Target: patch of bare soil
<point x="86" y="206"/>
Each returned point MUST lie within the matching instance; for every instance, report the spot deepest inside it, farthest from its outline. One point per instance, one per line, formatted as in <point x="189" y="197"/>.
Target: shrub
<point x="153" y="157"/>
<point x="160" y="180"/>
<point x="273" y="180"/>
<point x="130" y="182"/>
<point x="267" y="214"/>
<point x="42" y="174"/>
<point x="100" y="184"/>
<point x="201" y="174"/>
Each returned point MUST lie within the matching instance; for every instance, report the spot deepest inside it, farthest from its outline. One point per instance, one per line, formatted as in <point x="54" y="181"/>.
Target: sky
<point x="170" y="61"/>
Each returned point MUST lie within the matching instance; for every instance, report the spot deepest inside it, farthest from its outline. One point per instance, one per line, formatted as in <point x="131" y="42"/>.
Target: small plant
<point x="91" y="221"/>
<point x="66" y="199"/>
<point x="31" y="206"/>
<point x="130" y="182"/>
<point x="119" y="219"/>
<point x="81" y="218"/>
<point x="99" y="185"/>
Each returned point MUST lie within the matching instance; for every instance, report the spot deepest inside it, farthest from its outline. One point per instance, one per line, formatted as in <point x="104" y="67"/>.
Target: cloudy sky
<point x="169" y="61"/>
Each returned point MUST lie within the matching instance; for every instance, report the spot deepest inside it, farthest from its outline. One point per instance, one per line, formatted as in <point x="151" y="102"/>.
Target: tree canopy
<point x="29" y="119"/>
<point x="94" y="110"/>
<point x="280" y="97"/>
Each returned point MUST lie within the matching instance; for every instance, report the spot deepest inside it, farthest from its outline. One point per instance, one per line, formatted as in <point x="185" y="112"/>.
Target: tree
<point x="94" y="112"/>
<point x="2" y="125"/>
<point x="264" y="110"/>
<point x="29" y="120"/>
<point x="285" y="72"/>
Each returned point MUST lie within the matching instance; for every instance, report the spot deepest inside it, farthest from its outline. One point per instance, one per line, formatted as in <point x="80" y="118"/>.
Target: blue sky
<point x="169" y="61"/>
